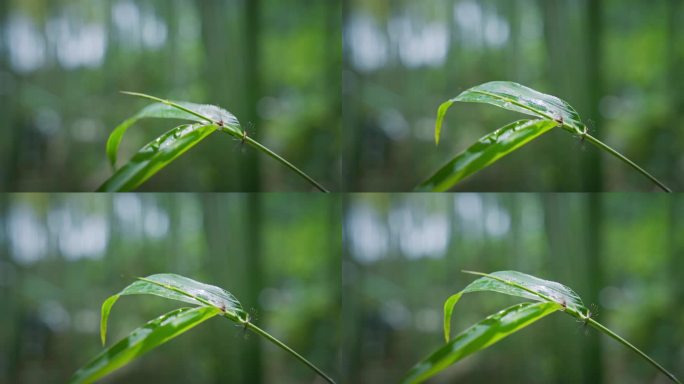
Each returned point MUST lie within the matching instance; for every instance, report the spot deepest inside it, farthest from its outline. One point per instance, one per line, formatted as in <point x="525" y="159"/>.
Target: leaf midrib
<point x="512" y="101"/>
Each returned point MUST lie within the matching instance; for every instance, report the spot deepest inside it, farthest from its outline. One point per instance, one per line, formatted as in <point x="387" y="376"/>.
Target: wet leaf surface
<point x="143" y="339"/>
<point x="480" y="336"/>
<point x="180" y="288"/>
<point x="537" y="289"/>
<point x="155" y="155"/>
<point x="519" y="98"/>
<point x="486" y="151"/>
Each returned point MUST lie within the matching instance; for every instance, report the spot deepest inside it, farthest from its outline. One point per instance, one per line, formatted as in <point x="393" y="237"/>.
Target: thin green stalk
<point x="286" y="163"/>
<point x="627" y="344"/>
<point x="617" y="154"/>
<point x="277" y="342"/>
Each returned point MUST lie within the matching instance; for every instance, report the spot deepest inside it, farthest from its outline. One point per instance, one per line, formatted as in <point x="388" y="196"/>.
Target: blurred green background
<point x="62" y="255"/>
<point x="622" y="252"/>
<point x="274" y="64"/>
<point x="618" y="62"/>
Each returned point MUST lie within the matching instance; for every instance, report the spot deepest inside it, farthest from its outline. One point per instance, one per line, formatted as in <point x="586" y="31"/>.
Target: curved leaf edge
<point x="183" y="111"/>
<point x="442" y="109"/>
<point x="575" y="310"/>
<point x="110" y="301"/>
<point x="441" y="112"/>
<point x="104" y="315"/>
<point x="573" y="126"/>
<point x="203" y="113"/>
<point x="451" y="302"/>
<point x="235" y="314"/>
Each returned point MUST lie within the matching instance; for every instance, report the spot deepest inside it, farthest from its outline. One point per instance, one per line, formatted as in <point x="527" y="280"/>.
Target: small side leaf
<point x="143" y="339"/>
<point x="179" y="288"/>
<point x="486" y="151"/>
<point x="448" y="311"/>
<point x="156" y="155"/>
<point x="104" y="318"/>
<point x="519" y="98"/>
<point x="516" y="284"/>
<point x="441" y="111"/>
<point x="479" y="337"/>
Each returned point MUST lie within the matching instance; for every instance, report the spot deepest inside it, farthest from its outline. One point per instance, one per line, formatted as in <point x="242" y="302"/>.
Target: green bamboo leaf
<point x="169" y="111"/>
<point x="213" y="299"/>
<point x="516" y="97"/>
<point x="486" y="151"/>
<point x="155" y="155"/>
<point x="519" y="98"/>
<point x="525" y="286"/>
<point x="143" y="339"/>
<point x="480" y="336"/>
<point x="136" y="172"/>
<point x="531" y="287"/>
<point x="180" y="288"/>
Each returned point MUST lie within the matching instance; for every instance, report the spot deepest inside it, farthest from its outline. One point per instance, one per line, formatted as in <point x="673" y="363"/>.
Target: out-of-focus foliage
<point x="274" y="64"/>
<point x="617" y="62"/>
<point x="404" y="255"/>
<point x="61" y="256"/>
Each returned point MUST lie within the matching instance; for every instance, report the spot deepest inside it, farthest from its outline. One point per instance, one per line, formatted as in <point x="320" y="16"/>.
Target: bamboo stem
<point x="281" y="160"/>
<point x="627" y="344"/>
<point x="617" y="154"/>
<point x="277" y="342"/>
